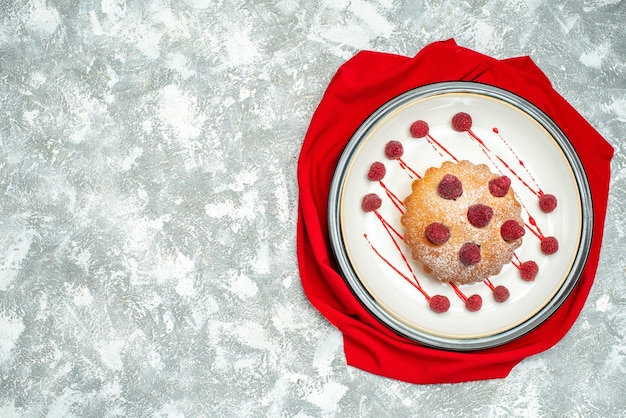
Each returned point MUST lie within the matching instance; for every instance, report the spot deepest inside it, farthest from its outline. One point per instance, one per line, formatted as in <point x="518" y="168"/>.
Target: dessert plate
<point x="514" y="138"/>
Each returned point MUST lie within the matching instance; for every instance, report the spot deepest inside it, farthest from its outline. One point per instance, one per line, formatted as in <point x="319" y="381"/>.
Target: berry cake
<point x="462" y="222"/>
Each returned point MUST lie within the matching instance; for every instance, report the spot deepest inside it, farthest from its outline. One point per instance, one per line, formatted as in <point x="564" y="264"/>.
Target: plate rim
<point x="346" y="269"/>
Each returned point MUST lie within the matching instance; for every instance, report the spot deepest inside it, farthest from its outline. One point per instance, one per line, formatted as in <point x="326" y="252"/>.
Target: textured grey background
<point x="148" y="206"/>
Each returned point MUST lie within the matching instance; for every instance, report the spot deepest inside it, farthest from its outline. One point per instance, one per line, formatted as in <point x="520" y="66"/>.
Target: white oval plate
<point x="519" y="141"/>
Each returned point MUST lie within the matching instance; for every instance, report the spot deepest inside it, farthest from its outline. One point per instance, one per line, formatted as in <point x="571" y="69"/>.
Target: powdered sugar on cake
<point x="472" y="253"/>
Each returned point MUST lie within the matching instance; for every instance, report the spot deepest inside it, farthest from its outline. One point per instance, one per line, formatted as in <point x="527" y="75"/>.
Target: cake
<point x="462" y="222"/>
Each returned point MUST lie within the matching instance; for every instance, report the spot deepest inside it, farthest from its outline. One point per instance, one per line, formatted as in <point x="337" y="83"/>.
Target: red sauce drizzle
<point x="517" y="262"/>
<point x="432" y="141"/>
<point x="491" y="155"/>
<point x="415" y="283"/>
<point x="389" y="228"/>
<point x="458" y="292"/>
<point x="520" y="162"/>
<point x="394" y="199"/>
<point x="412" y="173"/>
<point x="484" y="148"/>
<point x="489" y="284"/>
<point x="532" y="224"/>
<point x="535" y="192"/>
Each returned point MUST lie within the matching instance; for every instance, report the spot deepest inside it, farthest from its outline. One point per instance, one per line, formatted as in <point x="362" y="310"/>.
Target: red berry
<point x="462" y="122"/>
<point x="528" y="270"/>
<point x="547" y="203"/>
<point x="474" y="303"/>
<point x="501" y="293"/>
<point x="419" y="129"/>
<point x="394" y="150"/>
<point x="479" y="215"/>
<point x="450" y="187"/>
<point x="377" y="171"/>
<point x="549" y="245"/>
<point x="499" y="186"/>
<point x="511" y="230"/>
<point x="371" y="202"/>
<point x="437" y="233"/>
<point x="469" y="254"/>
<point x="439" y="303"/>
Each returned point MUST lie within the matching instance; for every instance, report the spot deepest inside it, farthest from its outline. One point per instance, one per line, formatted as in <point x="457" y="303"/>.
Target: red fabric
<point x="358" y="88"/>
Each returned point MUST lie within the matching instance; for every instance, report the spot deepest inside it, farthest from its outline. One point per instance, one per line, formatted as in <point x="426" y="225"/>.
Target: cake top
<point x="462" y="222"/>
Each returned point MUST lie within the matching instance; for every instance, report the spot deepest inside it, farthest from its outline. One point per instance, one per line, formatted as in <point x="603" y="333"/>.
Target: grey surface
<point x="147" y="220"/>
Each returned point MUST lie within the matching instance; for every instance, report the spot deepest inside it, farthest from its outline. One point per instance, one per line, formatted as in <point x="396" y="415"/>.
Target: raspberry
<point x="511" y="230"/>
<point x="528" y="270"/>
<point x="547" y="203"/>
<point x="474" y="303"/>
<point x="439" y="303"/>
<point x="394" y="150"/>
<point x="462" y="122"/>
<point x="450" y="187"/>
<point x="469" y="254"/>
<point x="479" y="215"/>
<point x="377" y="171"/>
<point x="549" y="245"/>
<point x="371" y="202"/>
<point x="499" y="186"/>
<point x="501" y="294"/>
<point x="437" y="233"/>
<point x="419" y="129"/>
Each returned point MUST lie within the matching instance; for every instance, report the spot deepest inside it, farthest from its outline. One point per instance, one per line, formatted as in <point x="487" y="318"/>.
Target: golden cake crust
<point x="425" y="206"/>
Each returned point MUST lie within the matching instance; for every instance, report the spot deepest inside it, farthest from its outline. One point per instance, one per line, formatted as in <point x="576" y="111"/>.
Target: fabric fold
<point x="358" y="88"/>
